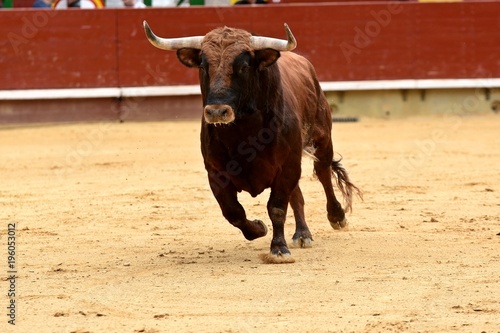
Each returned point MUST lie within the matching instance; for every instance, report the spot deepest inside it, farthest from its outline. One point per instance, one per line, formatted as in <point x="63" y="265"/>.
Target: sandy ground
<point x="117" y="231"/>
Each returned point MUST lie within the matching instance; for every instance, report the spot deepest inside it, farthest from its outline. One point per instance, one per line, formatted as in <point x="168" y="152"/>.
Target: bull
<point x="262" y="108"/>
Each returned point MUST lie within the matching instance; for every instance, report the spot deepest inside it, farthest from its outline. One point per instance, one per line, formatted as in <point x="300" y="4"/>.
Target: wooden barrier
<point x="345" y="42"/>
<point x="58" y="49"/>
<point x="358" y="41"/>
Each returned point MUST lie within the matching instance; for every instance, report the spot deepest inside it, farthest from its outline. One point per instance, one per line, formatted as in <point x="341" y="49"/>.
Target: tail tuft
<point x="345" y="185"/>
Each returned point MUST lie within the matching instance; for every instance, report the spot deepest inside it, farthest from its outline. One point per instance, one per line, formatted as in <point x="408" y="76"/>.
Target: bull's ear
<point x="189" y="57"/>
<point x="266" y="57"/>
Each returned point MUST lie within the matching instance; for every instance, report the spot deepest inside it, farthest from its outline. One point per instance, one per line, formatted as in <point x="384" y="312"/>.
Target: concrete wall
<point x="407" y="102"/>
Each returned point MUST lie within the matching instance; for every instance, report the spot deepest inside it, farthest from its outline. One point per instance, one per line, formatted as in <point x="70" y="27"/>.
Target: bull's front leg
<point x="276" y="208"/>
<point x="233" y="211"/>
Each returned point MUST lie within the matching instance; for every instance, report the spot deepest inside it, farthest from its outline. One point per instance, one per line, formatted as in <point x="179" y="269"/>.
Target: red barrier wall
<point x="345" y="41"/>
<point x="58" y="49"/>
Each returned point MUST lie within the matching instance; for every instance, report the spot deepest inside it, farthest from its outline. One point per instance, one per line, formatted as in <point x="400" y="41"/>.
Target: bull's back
<point x="303" y="93"/>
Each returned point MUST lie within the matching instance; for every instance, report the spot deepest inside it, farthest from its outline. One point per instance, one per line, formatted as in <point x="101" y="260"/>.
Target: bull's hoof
<point x="254" y="229"/>
<point x="337" y="225"/>
<point x="278" y="258"/>
<point x="279" y="255"/>
<point x="304" y="242"/>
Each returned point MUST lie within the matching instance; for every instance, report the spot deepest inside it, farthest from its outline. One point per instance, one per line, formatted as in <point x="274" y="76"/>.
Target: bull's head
<point x="229" y="62"/>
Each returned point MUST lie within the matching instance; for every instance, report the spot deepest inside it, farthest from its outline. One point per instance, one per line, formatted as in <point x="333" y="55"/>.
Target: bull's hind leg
<point x="234" y="212"/>
<point x="323" y="167"/>
<point x="302" y="236"/>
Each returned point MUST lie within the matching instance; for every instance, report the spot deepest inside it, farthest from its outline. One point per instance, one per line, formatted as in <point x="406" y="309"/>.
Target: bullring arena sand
<point x="117" y="231"/>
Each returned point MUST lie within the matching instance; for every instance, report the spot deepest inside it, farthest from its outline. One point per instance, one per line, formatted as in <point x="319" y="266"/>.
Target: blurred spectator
<point x="133" y="4"/>
<point x="164" y="3"/>
<point x="43" y="4"/>
<point x="250" y="2"/>
<point x="85" y="4"/>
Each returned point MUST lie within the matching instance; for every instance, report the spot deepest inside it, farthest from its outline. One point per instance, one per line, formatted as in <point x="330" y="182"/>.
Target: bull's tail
<point x="345" y="185"/>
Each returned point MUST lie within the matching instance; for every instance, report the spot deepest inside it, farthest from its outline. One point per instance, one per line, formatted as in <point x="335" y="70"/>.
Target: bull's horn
<point x="259" y="43"/>
<point x="172" y="44"/>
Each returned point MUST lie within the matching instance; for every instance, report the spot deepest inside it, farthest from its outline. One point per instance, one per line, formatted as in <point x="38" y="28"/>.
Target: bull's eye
<point x="241" y="64"/>
<point x="243" y="69"/>
<point x="203" y="64"/>
<point x="203" y="68"/>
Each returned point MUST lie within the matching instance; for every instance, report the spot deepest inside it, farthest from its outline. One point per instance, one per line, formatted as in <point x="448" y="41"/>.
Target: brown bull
<point x="262" y="109"/>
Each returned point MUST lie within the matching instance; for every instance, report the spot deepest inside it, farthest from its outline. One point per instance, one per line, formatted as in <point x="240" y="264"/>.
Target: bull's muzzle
<point x="218" y="114"/>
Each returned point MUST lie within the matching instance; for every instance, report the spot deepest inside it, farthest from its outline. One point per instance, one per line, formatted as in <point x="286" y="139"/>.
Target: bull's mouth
<point x="218" y="114"/>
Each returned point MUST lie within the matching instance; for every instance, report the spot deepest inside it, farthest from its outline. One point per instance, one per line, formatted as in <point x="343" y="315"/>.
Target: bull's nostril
<point x="210" y="112"/>
<point x="218" y="114"/>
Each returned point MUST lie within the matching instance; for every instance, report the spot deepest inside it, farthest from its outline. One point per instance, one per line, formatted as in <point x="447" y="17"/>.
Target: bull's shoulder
<point x="296" y="70"/>
<point x="293" y="62"/>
